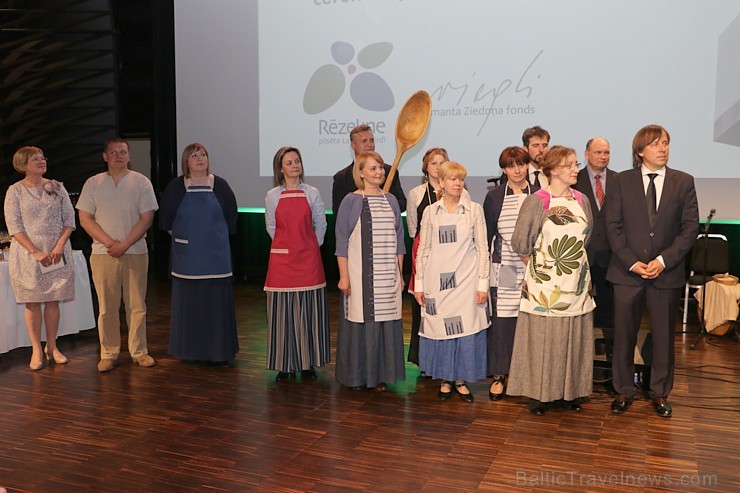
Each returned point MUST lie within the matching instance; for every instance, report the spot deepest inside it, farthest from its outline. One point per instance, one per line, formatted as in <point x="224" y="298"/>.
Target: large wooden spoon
<point x="411" y="125"/>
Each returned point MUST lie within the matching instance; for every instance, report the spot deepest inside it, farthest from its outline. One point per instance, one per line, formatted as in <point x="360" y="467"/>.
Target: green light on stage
<point x="261" y="210"/>
<point x="722" y="221"/>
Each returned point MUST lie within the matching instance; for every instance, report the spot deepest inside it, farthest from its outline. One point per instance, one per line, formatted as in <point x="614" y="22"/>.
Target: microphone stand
<point x="703" y="317"/>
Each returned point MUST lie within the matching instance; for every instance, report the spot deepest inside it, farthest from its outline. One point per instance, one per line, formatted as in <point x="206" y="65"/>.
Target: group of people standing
<point x="510" y="289"/>
<point x="116" y="208"/>
<point x="504" y="290"/>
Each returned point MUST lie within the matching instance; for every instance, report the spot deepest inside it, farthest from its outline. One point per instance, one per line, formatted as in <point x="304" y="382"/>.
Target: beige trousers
<point x="125" y="275"/>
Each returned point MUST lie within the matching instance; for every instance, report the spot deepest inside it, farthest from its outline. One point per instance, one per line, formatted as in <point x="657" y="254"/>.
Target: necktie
<point x="536" y="178"/>
<point x="650" y="198"/>
<point x="599" y="191"/>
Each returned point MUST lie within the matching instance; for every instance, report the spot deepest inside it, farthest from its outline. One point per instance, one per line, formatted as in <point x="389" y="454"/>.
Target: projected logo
<point x="368" y="90"/>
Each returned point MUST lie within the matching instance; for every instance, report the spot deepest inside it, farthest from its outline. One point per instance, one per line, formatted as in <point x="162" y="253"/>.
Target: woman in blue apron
<point x="199" y="211"/>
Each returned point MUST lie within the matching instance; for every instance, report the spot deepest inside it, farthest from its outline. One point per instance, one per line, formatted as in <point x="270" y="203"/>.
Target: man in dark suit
<point x="361" y="139"/>
<point x="536" y="141"/>
<point x="652" y="219"/>
<point x="592" y="182"/>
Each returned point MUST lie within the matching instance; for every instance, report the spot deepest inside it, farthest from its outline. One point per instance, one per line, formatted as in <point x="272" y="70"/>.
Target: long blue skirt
<point x="369" y="353"/>
<point x="462" y="358"/>
<point x="203" y="324"/>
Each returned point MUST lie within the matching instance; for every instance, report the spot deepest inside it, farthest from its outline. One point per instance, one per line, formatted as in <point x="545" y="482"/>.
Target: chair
<point x="717" y="259"/>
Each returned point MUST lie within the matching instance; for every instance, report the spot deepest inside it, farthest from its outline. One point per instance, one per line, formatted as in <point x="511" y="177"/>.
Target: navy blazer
<point x="598" y="250"/>
<point x="632" y="239"/>
<point x="344" y="183"/>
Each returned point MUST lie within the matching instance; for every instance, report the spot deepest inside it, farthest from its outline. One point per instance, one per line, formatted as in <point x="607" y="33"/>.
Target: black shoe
<point x="465" y="397"/>
<point x="571" y="405"/>
<point x="662" y="408"/>
<point x="381" y="387"/>
<point x="308" y="373"/>
<point x="621" y="404"/>
<point x="537" y="408"/>
<point x="497" y="397"/>
<point x="282" y="375"/>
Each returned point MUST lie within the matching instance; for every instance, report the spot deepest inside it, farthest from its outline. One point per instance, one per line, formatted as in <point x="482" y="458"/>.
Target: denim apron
<point x="200" y="237"/>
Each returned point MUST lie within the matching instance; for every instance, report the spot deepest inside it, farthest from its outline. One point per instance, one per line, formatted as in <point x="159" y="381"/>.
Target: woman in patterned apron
<point x="297" y="310"/>
<point x="370" y="249"/>
<point x="452" y="285"/>
<point x="199" y="211"/>
<point x="418" y="200"/>
<point x="501" y="208"/>
<point x="552" y="361"/>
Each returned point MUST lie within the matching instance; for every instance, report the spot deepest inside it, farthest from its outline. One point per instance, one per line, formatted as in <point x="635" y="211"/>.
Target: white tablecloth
<point x="75" y="315"/>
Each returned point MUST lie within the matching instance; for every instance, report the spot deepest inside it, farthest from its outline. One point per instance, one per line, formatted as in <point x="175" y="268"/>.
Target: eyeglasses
<point x="572" y="165"/>
<point x="515" y="165"/>
<point x="38" y="159"/>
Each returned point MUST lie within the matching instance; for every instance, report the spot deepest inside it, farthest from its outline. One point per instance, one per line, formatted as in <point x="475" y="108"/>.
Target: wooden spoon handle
<point x="394" y="167"/>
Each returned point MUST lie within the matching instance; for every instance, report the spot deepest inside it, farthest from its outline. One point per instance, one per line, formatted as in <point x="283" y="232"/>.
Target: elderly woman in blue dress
<point x="451" y="285"/>
<point x="501" y="208"/>
<point x="198" y="209"/>
<point x="369" y="251"/>
<point x="552" y="359"/>
<point x="40" y="219"/>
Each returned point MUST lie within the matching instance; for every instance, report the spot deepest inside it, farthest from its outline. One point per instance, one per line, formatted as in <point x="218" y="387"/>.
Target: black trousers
<point x="662" y="309"/>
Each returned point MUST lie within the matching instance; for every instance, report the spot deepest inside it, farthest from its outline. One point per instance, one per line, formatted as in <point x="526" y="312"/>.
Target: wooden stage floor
<point x="189" y="428"/>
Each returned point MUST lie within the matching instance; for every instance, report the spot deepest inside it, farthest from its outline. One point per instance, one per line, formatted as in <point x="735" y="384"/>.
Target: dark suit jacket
<point x="492" y="205"/>
<point x="344" y="184"/>
<point x="632" y="239"/>
<point x="598" y="250"/>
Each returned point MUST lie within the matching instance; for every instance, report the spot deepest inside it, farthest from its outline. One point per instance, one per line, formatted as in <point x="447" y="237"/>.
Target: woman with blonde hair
<point x="451" y="285"/>
<point x="40" y="219"/>
<point x="369" y="251"/>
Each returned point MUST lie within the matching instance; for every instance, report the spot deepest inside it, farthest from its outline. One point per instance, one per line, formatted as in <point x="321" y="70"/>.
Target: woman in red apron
<point x="297" y="311"/>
